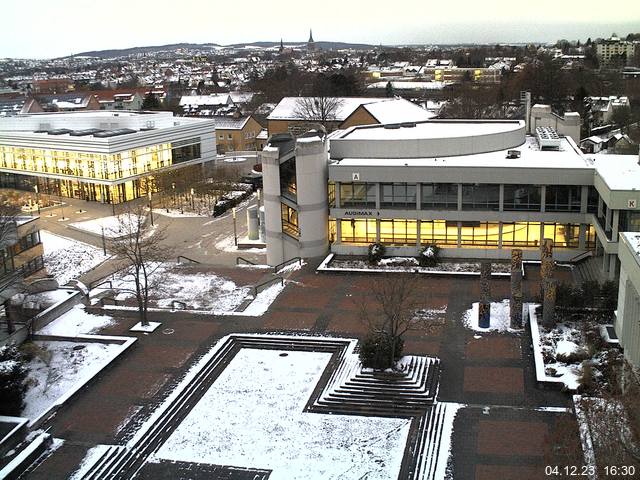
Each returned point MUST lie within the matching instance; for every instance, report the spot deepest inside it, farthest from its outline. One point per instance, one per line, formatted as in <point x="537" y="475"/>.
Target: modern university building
<point x="103" y="156"/>
<point x="475" y="188"/>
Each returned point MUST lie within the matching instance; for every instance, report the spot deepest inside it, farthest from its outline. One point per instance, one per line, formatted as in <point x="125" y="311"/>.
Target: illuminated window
<point x="479" y="234"/>
<point x="398" y="232"/>
<point x="521" y="234"/>
<point x="357" y="230"/>
<point x="439" y="232"/>
<point x="331" y="194"/>
<point x="289" y="220"/>
<point x="332" y="230"/>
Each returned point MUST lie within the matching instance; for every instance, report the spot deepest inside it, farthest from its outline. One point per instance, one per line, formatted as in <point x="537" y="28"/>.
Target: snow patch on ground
<point x="138" y="327"/>
<point x="66" y="258"/>
<point x="112" y="225"/>
<point x="263" y="301"/>
<point x="75" y="322"/>
<point x="65" y="367"/>
<point x="500" y="318"/>
<point x="265" y="427"/>
<point x="92" y="456"/>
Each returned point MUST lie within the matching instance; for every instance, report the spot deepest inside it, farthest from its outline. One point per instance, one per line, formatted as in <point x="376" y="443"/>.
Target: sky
<point x="46" y="28"/>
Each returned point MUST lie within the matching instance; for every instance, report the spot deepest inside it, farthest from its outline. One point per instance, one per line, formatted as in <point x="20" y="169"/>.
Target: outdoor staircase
<point x="587" y="270"/>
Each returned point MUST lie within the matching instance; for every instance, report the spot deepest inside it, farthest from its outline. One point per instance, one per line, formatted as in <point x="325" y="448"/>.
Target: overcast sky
<point x="51" y="28"/>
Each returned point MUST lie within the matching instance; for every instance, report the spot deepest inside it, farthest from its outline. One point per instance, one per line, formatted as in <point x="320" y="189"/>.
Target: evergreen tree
<point x="151" y="102"/>
<point x="13" y="373"/>
<point x="389" y="90"/>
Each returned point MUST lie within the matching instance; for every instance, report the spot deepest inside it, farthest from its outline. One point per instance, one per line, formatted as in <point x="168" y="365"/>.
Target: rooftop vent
<point x="113" y="133"/>
<point x="84" y="133"/>
<point x="59" y="131"/>
<point x="392" y="126"/>
<point x="408" y="125"/>
<point x="547" y="138"/>
<point x="513" y="154"/>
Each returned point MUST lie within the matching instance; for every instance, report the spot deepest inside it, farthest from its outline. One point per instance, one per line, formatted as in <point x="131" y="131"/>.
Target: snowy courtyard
<point x="68" y="259"/>
<point x="111" y="226"/>
<point x="253" y="417"/>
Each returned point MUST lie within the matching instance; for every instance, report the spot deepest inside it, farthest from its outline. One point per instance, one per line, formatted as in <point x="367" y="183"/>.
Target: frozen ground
<point x="75" y="322"/>
<point x="112" y="225"/>
<point x="253" y="416"/>
<point x="499" y="318"/>
<point x="63" y="369"/>
<point x="67" y="259"/>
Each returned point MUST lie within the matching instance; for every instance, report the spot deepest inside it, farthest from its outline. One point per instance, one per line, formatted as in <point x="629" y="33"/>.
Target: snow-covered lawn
<point x="253" y="416"/>
<point x="76" y="322"/>
<point x="66" y="258"/>
<point x="500" y="318"/>
<point x="64" y="368"/>
<point x="177" y="213"/>
<point x="112" y="225"/>
<point x="563" y="352"/>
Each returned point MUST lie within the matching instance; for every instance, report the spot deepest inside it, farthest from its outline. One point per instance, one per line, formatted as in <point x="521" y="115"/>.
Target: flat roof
<point x="531" y="156"/>
<point x="432" y="129"/>
<point x="619" y="172"/>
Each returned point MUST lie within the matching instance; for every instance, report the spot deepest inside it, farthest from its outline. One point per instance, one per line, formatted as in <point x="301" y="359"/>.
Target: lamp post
<point x="150" y="208"/>
<point x="192" y="204"/>
<point x="35" y="187"/>
<point x="104" y="243"/>
<point x="235" y="231"/>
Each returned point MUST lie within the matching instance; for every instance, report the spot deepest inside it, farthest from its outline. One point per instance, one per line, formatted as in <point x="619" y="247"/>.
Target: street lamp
<point x="235" y="231"/>
<point x="192" y="204"/>
<point x="104" y="243"/>
<point x="150" y="208"/>
<point x="35" y="187"/>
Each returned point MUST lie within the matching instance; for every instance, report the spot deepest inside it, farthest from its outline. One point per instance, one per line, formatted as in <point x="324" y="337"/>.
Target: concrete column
<point x="582" y="237"/>
<point x="584" y="199"/>
<point x="615" y="223"/>
<point x="607" y="220"/>
<point x="271" y="192"/>
<point x="459" y="196"/>
<point x="605" y="263"/>
<point x="338" y="230"/>
<point x="377" y="229"/>
<point x="600" y="206"/>
<point x="338" y="189"/>
<point x="378" y="195"/>
<point x="613" y="263"/>
<point x="500" y="235"/>
<point x="515" y="302"/>
<point x="418" y="234"/>
<point x="459" y="242"/>
<point x="501" y="198"/>
<point x="418" y="195"/>
<point x="543" y="198"/>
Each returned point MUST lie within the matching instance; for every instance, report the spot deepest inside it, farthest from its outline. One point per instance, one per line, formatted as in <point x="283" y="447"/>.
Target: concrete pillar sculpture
<point x="253" y="223"/>
<point x="547" y="283"/>
<point x="549" y="304"/>
<point x="515" y="303"/>
<point x="484" y="308"/>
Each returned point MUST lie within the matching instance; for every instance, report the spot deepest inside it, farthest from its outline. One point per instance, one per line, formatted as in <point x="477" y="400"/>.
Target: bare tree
<point x="321" y="109"/>
<point x="393" y="313"/>
<point x="142" y="247"/>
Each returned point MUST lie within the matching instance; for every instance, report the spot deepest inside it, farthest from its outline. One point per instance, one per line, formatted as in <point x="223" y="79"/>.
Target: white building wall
<point x="272" y="214"/>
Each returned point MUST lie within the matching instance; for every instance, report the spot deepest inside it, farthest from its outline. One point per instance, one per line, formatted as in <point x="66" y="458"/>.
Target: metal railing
<point x="264" y="285"/>
<point x="581" y="256"/>
<point x="286" y="263"/>
<point x="240" y="260"/>
<point x="188" y="260"/>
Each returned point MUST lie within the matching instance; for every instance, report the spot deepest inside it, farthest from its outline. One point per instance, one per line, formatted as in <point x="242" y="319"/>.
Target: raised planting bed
<point x="335" y="263"/>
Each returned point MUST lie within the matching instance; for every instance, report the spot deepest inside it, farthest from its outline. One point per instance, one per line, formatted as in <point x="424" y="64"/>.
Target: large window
<point x="357" y="230"/>
<point x="183" y="153"/>
<point x="358" y="195"/>
<point x="289" y="220"/>
<point x="398" y="232"/>
<point x="398" y="195"/>
<point x="563" y="235"/>
<point x="522" y="197"/>
<point x="480" y="197"/>
<point x="521" y="234"/>
<point x="592" y="200"/>
<point x="563" y="198"/>
<point x="439" y="196"/>
<point x="629" y="221"/>
<point x="479" y="234"/>
<point x="439" y="232"/>
<point x="288" y="186"/>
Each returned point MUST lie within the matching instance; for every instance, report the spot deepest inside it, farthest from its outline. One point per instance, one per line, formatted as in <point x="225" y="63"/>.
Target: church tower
<point x="311" y="45"/>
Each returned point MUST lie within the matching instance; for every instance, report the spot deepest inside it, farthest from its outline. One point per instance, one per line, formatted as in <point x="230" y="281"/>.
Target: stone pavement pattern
<point x="504" y="441"/>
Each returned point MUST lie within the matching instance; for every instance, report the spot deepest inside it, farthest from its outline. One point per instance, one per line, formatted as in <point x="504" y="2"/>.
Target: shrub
<point x="375" y="351"/>
<point x="375" y="253"/>
<point x="609" y="295"/>
<point x="13" y="373"/>
<point x="429" y="256"/>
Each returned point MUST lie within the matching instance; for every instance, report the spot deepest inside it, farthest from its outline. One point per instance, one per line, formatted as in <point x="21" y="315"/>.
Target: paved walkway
<point x="504" y="441"/>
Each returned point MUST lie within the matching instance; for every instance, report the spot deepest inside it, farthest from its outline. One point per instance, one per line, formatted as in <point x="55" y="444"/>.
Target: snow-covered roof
<point x="619" y="172"/>
<point x="397" y="111"/>
<point x="567" y="157"/>
<point x="288" y="106"/>
<point x="229" y="123"/>
<point x="199" y="100"/>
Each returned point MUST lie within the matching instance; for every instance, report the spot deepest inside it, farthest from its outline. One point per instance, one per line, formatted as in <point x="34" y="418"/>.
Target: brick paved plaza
<point x="500" y="434"/>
